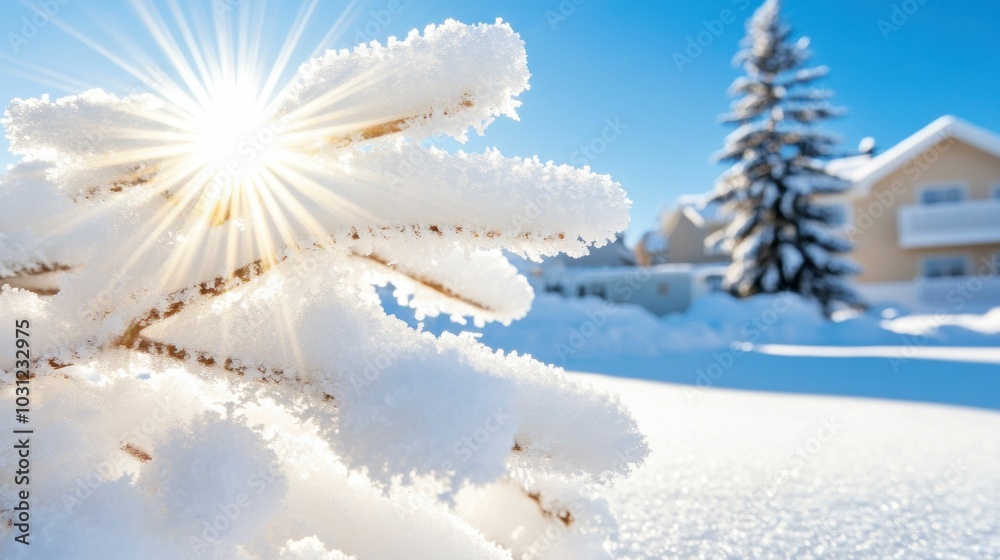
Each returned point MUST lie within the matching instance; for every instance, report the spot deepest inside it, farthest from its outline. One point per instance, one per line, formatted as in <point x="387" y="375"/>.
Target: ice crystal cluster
<point x="213" y="375"/>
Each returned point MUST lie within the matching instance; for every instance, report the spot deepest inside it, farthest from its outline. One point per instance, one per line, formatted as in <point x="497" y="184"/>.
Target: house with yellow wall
<point x="924" y="217"/>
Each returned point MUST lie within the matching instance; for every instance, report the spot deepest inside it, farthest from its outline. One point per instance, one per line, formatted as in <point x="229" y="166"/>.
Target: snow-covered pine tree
<point x="216" y="378"/>
<point x="782" y="238"/>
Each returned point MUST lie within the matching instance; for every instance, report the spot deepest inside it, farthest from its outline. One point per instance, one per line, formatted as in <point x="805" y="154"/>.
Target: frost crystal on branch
<point x="781" y="237"/>
<point x="219" y="256"/>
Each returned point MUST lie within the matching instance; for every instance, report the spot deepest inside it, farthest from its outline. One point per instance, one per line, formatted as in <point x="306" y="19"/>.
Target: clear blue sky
<point x="599" y="60"/>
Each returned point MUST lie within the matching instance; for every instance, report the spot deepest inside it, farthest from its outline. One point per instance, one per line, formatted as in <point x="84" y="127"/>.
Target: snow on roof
<point x="947" y="126"/>
<point x="653" y="241"/>
<point x="699" y="209"/>
<point x="846" y="166"/>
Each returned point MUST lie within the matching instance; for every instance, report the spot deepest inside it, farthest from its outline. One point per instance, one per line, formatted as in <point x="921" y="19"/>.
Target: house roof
<point x="862" y="170"/>
<point x="881" y="166"/>
<point x="699" y="209"/>
<point x="845" y="167"/>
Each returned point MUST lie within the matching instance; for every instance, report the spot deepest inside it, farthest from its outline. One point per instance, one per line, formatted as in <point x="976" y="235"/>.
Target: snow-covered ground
<point x="782" y="468"/>
<point x="874" y="436"/>
<point x="768" y="343"/>
<point x="739" y="474"/>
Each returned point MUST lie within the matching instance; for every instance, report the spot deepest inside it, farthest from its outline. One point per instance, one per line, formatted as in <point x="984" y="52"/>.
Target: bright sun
<point x="234" y="161"/>
<point x="235" y="141"/>
<point x="233" y="130"/>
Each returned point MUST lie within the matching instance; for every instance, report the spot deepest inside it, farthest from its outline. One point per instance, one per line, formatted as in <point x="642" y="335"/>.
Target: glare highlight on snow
<point x="948" y="354"/>
<point x="336" y="164"/>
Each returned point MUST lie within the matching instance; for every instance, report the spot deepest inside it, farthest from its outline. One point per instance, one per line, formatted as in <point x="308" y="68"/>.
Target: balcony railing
<point x="940" y="225"/>
<point x="968" y="290"/>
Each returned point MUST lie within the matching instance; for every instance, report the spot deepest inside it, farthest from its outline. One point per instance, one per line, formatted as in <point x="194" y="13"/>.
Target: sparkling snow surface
<point x="736" y="474"/>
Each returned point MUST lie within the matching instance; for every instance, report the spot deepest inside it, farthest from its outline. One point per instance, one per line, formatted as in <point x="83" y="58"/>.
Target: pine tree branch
<point x="184" y="297"/>
<point x="428" y="283"/>
<point x="26" y="277"/>
<point x="564" y="516"/>
<point x="394" y="126"/>
<point x="139" y="174"/>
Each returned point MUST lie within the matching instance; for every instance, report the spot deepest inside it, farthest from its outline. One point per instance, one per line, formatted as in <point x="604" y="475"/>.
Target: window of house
<point x="714" y="282"/>
<point x="943" y="194"/>
<point x="945" y="266"/>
